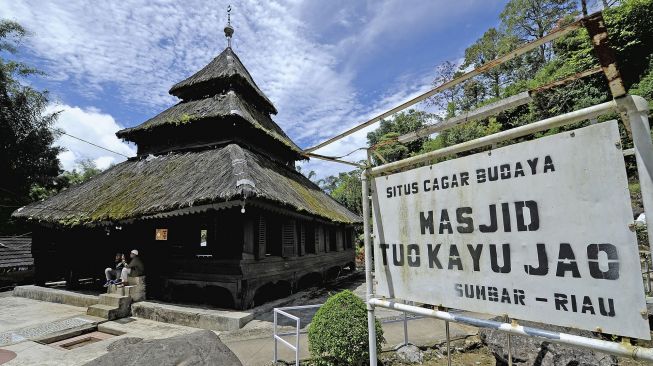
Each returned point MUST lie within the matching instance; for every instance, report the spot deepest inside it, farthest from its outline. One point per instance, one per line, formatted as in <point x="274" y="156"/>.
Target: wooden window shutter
<point x="339" y="240"/>
<point x="319" y="239"/>
<point x="302" y="239"/>
<point x="248" y="237"/>
<point x="288" y="239"/>
<point x="262" y="237"/>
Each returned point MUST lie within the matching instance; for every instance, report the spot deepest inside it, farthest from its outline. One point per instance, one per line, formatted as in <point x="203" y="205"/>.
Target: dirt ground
<point x="477" y="357"/>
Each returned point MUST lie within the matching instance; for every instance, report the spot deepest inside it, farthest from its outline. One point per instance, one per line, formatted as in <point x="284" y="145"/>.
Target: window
<point x="203" y="250"/>
<point x="203" y="235"/>
<point x="161" y="234"/>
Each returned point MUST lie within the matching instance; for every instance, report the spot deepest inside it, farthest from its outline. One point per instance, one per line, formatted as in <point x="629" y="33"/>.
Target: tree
<point x="384" y="138"/>
<point x="527" y="20"/>
<point x="85" y="170"/>
<point x="447" y="99"/>
<point x="491" y="45"/>
<point x="348" y="191"/>
<point x="310" y="175"/>
<point x="27" y="157"/>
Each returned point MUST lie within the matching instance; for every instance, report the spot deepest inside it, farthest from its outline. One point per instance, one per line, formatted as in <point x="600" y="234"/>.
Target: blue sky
<point x="325" y="65"/>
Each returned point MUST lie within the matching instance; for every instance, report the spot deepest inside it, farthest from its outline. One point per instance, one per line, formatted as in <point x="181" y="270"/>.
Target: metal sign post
<point x="371" y="320"/>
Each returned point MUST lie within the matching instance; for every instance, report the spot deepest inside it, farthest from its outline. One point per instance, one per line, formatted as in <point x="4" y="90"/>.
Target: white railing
<point x="284" y="311"/>
<point x="278" y="336"/>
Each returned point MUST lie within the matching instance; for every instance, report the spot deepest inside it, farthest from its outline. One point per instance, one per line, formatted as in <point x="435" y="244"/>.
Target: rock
<point x="538" y="352"/>
<point x="641" y="220"/>
<point x="472" y="343"/>
<point x="198" y="348"/>
<point x="122" y="342"/>
<point x="410" y="354"/>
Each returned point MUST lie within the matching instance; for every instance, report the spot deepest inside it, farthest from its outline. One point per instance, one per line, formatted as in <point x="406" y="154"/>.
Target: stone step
<point x="116" y="300"/>
<point x="136" y="293"/>
<point x="55" y="295"/>
<point x="104" y="311"/>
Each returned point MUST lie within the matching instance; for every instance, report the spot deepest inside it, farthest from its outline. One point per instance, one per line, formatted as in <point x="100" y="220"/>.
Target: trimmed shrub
<point x="338" y="334"/>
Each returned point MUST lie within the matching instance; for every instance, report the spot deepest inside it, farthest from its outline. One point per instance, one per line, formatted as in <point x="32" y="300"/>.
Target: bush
<point x="338" y="332"/>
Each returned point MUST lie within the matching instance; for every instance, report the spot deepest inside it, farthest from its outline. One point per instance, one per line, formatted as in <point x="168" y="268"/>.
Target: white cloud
<point x="137" y="49"/>
<point x="91" y="125"/>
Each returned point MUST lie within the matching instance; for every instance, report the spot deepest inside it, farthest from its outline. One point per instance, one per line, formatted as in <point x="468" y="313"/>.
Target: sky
<point x="326" y="65"/>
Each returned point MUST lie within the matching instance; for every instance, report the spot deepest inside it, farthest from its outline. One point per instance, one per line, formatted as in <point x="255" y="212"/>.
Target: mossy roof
<point x="158" y="184"/>
<point x="217" y="108"/>
<point x="224" y="72"/>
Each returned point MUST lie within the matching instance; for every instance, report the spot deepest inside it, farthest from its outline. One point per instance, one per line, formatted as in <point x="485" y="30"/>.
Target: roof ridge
<point x="240" y="171"/>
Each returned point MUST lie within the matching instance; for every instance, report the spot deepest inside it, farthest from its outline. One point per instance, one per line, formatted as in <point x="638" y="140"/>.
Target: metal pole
<point x="405" y="328"/>
<point x="613" y="348"/>
<point x="648" y="273"/>
<point x="636" y="109"/>
<point x="446" y="328"/>
<point x="297" y="345"/>
<point x="371" y="324"/>
<point x="275" y="335"/>
<point x="507" y="319"/>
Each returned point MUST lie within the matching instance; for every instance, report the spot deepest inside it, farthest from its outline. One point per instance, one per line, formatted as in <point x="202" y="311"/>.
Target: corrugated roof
<point x="226" y="70"/>
<point x="15" y="251"/>
<point x="137" y="188"/>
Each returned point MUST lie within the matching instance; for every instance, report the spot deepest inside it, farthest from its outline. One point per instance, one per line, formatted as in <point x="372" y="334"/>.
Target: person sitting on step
<point x="114" y="273"/>
<point x="135" y="268"/>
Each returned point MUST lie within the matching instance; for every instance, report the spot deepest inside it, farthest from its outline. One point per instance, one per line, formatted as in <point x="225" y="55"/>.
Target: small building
<point x="16" y="262"/>
<point x="212" y="201"/>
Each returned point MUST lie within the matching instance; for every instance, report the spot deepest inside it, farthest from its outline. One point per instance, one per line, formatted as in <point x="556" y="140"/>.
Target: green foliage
<point x="525" y="20"/>
<point x="338" y="334"/>
<point x="384" y="138"/>
<point x="491" y="45"/>
<point x="348" y="192"/>
<point x="462" y="133"/>
<point x="27" y="157"/>
<point x="85" y="171"/>
<point x="644" y="88"/>
<point x="629" y="27"/>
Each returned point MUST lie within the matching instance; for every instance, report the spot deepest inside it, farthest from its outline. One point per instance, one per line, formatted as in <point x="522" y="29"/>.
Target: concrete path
<point x="257" y="351"/>
<point x="18" y="312"/>
<point x="253" y="344"/>
<point x="32" y="353"/>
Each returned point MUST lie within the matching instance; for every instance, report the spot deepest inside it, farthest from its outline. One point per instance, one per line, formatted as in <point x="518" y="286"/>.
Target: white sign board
<point x="537" y="230"/>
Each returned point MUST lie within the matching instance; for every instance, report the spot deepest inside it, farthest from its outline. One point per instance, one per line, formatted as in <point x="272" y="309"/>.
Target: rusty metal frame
<point x="598" y="33"/>
<point x="334" y="159"/>
<point x="468" y="75"/>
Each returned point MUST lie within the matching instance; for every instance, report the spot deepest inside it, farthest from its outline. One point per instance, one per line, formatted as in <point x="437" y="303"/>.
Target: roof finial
<point x="228" y="30"/>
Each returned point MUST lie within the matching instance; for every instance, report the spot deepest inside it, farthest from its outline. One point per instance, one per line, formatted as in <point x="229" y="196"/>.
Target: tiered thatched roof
<point x="175" y="181"/>
<point x="216" y="108"/>
<point x="222" y="159"/>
